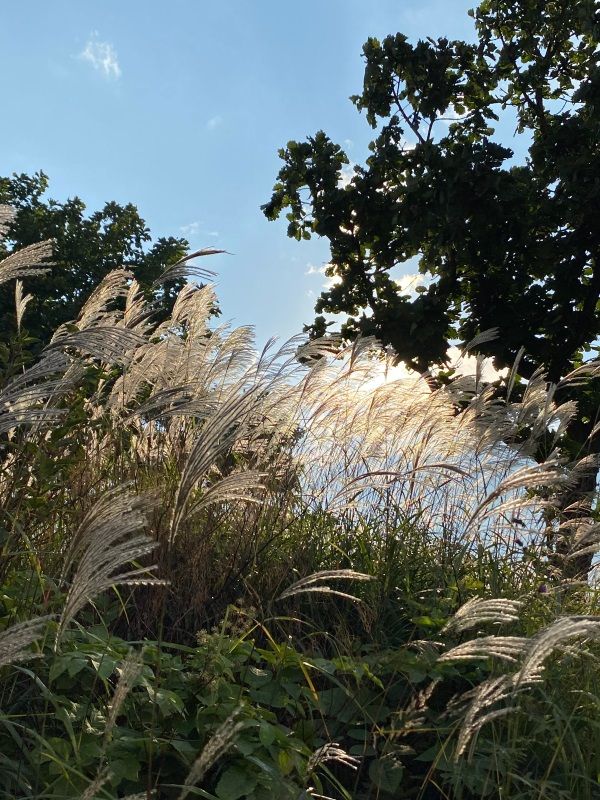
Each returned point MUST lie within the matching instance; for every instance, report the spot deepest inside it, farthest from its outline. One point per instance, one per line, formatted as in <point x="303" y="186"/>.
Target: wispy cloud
<point x="329" y="281"/>
<point x="102" y="56"/>
<point x="312" y="270"/>
<point x="195" y="229"/>
<point x="214" y="122"/>
<point x="191" y="229"/>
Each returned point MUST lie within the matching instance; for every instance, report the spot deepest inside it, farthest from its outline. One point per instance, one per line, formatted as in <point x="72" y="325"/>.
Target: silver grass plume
<point x="331" y="752"/>
<point x="108" y="539"/>
<point x="219" y="743"/>
<point x="13" y="418"/>
<point x="586" y="538"/>
<point x="109" y="344"/>
<point x="101" y="779"/>
<point x="315" y="583"/>
<point x="184" y="269"/>
<point x="218" y="434"/>
<point x="549" y="473"/>
<point x="528" y="654"/>
<point x="511" y="379"/>
<point x="478" y="611"/>
<point x="504" y="648"/>
<point x="239" y="487"/>
<point x="193" y="305"/>
<point x="482" y="700"/>
<point x="128" y="674"/>
<point x="7" y="215"/>
<point x="554" y="638"/>
<point x="137" y="313"/>
<point x="26" y="262"/>
<point x="488" y="335"/>
<point x="582" y="374"/>
<point x="21" y="302"/>
<point x="48" y="364"/>
<point x="16" y="641"/>
<point x="95" y="309"/>
<point x="26" y="399"/>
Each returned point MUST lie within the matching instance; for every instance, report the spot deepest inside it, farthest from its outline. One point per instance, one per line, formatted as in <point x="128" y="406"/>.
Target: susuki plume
<point x="331" y="751"/>
<point x="29" y="261"/>
<point x="7" y="215"/>
<point x="498" y="695"/>
<point x="21" y="302"/>
<point x="96" y="309"/>
<point x="108" y="539"/>
<point x="481" y="709"/>
<point x="553" y="639"/>
<point x="16" y="641"/>
<point x="128" y="673"/>
<point x="218" y="744"/>
<point x="315" y="583"/>
<point x="507" y="648"/>
<point x="109" y="344"/>
<point x="184" y="269"/>
<point x="478" y="611"/>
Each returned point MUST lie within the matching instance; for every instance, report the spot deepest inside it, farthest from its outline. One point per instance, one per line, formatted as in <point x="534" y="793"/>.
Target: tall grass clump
<point x="229" y="572"/>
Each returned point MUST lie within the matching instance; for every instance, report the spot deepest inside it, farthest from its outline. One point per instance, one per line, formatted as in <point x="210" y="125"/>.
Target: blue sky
<point x="180" y="108"/>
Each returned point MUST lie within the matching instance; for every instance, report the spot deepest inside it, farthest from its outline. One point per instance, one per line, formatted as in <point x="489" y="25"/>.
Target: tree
<point x="503" y="244"/>
<point x="85" y="249"/>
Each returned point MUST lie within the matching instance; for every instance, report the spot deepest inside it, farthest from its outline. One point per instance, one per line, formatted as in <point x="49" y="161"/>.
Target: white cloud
<point x="312" y="270"/>
<point x="191" y="229"/>
<point x="407" y="284"/>
<point x="347" y="173"/>
<point x="467" y="365"/>
<point x="194" y="230"/>
<point x="329" y="281"/>
<point x="102" y="56"/>
<point x="214" y="122"/>
<point x="462" y="364"/>
<point x="388" y="373"/>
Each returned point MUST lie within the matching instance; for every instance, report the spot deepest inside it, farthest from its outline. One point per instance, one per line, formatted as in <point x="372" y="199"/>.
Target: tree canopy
<point x="85" y="249"/>
<point x="503" y="243"/>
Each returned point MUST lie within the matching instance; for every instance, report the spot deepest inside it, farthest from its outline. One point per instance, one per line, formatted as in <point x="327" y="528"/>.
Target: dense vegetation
<point x="228" y="573"/>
